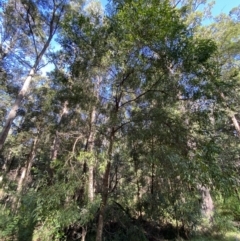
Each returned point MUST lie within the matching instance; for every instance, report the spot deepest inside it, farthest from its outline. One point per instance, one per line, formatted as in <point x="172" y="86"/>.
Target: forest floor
<point x="229" y="236"/>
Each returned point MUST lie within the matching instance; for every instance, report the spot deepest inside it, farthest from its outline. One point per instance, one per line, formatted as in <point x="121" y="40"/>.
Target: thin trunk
<point x="26" y="170"/>
<point x="139" y="198"/>
<point x="84" y="233"/>
<point x="104" y="202"/>
<point x="7" y="164"/>
<point x="91" y="144"/>
<point x="233" y="117"/>
<point x="105" y="188"/>
<point x="236" y="124"/>
<point x="91" y="149"/>
<point x="91" y="183"/>
<point x="55" y="146"/>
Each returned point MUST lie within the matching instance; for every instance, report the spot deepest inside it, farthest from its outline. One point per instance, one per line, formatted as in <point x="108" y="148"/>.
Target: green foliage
<point x="222" y="224"/>
<point x="8" y="223"/>
<point x="229" y="206"/>
<point x="57" y="209"/>
<point x="145" y="91"/>
<point x="121" y="226"/>
<point x="89" y="157"/>
<point x="19" y="222"/>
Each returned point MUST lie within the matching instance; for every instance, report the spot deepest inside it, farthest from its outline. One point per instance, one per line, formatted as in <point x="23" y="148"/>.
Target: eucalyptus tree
<point x="147" y="69"/>
<point x="36" y="23"/>
<point x="123" y="116"/>
<point x="225" y="32"/>
<point x="143" y="65"/>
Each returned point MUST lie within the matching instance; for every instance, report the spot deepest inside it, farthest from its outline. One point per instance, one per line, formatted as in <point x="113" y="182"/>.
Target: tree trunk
<point x="105" y="187"/>
<point x="13" y="112"/>
<point x="91" y="149"/>
<point x="104" y="202"/>
<point x="91" y="183"/>
<point x="91" y="144"/>
<point x="84" y="233"/>
<point x="26" y="170"/>
<point x="236" y="124"/>
<point x="233" y="117"/>
<point x="55" y="146"/>
<point x="207" y="207"/>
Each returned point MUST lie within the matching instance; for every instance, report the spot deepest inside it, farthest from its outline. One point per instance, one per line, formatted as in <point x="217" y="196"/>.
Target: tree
<point x="41" y="27"/>
<point x="149" y="62"/>
<point x="130" y="128"/>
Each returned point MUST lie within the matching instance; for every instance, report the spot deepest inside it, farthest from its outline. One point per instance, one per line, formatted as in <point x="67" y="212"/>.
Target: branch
<point x="31" y="30"/>
<point x="119" y="127"/>
<point x="75" y="143"/>
<point x="139" y="96"/>
<point x="176" y="4"/>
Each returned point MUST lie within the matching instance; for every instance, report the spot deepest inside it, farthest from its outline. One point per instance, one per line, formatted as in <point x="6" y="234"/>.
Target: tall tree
<point x="40" y="26"/>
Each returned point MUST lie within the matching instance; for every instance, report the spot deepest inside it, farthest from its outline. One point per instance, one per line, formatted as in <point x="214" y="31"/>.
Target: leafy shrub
<point x="8" y="223"/>
<point x="222" y="224"/>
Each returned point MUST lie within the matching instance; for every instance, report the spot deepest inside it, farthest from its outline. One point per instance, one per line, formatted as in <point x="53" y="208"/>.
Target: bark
<point x="91" y="183"/>
<point x="91" y="144"/>
<point x="25" y="173"/>
<point x="55" y="146"/>
<point x="236" y="124"/>
<point x="7" y="164"/>
<point x="84" y="233"/>
<point x="26" y="170"/>
<point x="91" y="149"/>
<point x="207" y="206"/>
<point x="13" y="112"/>
<point x="104" y="202"/>
<point x="105" y="187"/>
<point x="233" y="117"/>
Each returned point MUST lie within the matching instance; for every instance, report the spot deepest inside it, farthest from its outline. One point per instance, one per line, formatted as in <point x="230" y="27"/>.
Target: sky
<point x="221" y="6"/>
<point x="224" y="6"/>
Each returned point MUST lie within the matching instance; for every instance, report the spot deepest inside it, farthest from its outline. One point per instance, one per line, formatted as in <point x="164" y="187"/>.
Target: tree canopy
<point x="133" y="133"/>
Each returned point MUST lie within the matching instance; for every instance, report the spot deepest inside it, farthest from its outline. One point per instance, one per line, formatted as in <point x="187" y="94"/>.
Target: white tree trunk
<point x="13" y="112"/>
<point x="91" y="149"/>
<point x="207" y="206"/>
<point x="236" y="124"/>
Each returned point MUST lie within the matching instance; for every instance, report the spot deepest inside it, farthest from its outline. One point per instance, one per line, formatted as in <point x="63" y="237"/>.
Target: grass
<point x="229" y="236"/>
